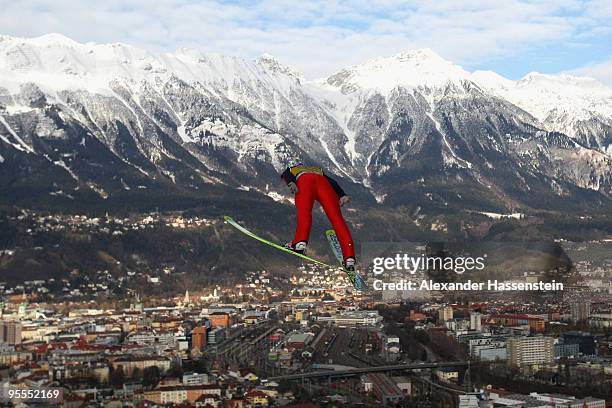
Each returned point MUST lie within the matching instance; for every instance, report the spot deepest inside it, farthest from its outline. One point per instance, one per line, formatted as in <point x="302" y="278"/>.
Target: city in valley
<point x="301" y="337"/>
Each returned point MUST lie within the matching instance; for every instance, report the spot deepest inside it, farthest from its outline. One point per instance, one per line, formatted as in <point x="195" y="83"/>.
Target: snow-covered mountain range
<point x="89" y="122"/>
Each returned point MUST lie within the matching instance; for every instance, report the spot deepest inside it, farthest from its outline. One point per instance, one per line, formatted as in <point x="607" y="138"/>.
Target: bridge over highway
<point x="363" y="370"/>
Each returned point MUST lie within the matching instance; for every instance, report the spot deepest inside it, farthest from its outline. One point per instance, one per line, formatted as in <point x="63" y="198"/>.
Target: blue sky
<point x="511" y="37"/>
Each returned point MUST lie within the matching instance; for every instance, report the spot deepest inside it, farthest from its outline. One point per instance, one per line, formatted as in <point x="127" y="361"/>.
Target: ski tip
<point x="330" y="232"/>
<point x="227" y="218"/>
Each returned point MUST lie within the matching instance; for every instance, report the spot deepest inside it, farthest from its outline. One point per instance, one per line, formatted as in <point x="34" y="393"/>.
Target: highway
<point x="362" y="370"/>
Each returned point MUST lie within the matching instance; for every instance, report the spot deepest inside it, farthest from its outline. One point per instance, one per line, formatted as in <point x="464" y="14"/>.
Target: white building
<point x="354" y="318"/>
<point x="488" y="348"/>
<point x="569" y="401"/>
<point x="468" y="401"/>
<point x="195" y="379"/>
<point x="530" y="350"/>
<point x="476" y="321"/>
<point x="445" y="313"/>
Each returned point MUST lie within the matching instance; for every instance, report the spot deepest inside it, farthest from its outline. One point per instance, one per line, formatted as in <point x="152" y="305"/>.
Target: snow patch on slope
<point x="20" y="145"/>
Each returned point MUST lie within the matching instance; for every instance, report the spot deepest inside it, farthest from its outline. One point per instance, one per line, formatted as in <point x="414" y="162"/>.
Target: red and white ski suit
<point x="313" y="185"/>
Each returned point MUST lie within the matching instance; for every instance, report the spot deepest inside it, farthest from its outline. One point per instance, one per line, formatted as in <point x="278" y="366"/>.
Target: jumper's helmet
<point x="294" y="162"/>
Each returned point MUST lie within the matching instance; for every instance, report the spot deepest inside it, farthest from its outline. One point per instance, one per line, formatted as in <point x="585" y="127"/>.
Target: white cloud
<point x="317" y="37"/>
<point x="601" y="71"/>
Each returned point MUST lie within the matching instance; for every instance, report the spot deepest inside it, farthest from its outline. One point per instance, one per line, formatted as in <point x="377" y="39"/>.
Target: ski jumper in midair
<point x="310" y="184"/>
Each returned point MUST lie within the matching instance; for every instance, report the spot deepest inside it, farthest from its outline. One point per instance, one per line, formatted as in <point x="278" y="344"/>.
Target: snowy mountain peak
<point x="49" y="40"/>
<point x="55" y="62"/>
<point x="562" y="80"/>
<point x="53" y="39"/>
<point x="412" y="69"/>
<point x="491" y="80"/>
<point x="580" y="107"/>
<point x="418" y="54"/>
<point x="272" y="64"/>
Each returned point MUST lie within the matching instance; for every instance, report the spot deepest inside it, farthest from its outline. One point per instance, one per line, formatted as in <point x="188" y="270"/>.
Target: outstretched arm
<point x="288" y="177"/>
<point x="290" y="180"/>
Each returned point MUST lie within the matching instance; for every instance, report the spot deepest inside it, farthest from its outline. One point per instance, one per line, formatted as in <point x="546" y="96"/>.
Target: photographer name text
<point x="490" y="285"/>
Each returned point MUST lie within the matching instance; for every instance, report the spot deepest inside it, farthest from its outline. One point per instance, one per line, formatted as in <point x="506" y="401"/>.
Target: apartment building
<point x="537" y="350"/>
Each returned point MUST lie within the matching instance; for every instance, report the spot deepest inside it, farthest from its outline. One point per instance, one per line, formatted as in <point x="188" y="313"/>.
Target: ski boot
<point x="349" y="268"/>
<point x="349" y="264"/>
<point x="299" y="247"/>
